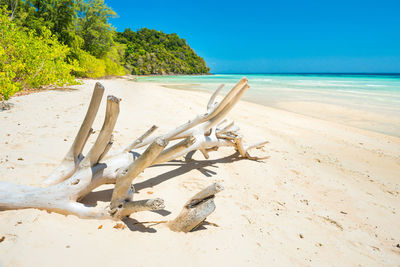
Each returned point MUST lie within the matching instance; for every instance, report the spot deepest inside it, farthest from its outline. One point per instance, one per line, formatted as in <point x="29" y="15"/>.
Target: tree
<point x="28" y="60"/>
<point x="76" y="23"/>
<point x="154" y="52"/>
<point x="10" y="5"/>
<point x="56" y="15"/>
<point x="93" y="27"/>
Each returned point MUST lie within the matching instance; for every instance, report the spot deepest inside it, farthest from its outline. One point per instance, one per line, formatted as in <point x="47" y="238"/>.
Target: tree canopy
<point x="29" y="60"/>
<point x="154" y="52"/>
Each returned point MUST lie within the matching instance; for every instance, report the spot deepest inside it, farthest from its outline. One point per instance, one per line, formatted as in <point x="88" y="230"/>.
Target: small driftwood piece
<point x="196" y="210"/>
<point x="77" y="175"/>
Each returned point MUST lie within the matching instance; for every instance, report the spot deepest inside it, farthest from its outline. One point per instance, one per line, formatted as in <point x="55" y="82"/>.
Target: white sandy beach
<point x="327" y="195"/>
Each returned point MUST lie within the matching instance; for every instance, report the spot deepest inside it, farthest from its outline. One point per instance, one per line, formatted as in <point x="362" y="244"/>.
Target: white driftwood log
<point x="196" y="210"/>
<point x="77" y="175"/>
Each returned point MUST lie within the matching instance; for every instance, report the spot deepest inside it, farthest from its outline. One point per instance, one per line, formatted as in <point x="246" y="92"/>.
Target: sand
<point x="381" y="122"/>
<point x="328" y="194"/>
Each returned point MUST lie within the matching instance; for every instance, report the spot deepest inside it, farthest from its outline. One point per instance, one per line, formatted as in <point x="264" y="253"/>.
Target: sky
<point x="277" y="36"/>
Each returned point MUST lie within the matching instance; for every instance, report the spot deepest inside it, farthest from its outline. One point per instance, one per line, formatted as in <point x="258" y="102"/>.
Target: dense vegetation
<point x="50" y="42"/>
<point x="29" y="60"/>
<point x="154" y="52"/>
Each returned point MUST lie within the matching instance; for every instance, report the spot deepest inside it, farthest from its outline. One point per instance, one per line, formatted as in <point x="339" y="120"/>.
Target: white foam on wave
<point x="261" y="80"/>
<point x="375" y="85"/>
<point x="315" y="83"/>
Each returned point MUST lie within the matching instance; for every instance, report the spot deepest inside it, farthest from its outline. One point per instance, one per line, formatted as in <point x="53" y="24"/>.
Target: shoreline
<point x="346" y="114"/>
<point x="283" y="106"/>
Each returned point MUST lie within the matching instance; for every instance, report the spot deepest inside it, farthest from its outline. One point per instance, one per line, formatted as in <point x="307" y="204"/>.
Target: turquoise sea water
<point x="354" y="95"/>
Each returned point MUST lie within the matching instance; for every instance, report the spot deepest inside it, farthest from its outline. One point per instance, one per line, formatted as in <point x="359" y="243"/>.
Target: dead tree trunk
<point x="77" y="175"/>
<point x="196" y="210"/>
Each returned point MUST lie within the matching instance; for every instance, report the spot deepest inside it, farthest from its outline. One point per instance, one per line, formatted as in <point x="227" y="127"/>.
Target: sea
<point x="366" y="101"/>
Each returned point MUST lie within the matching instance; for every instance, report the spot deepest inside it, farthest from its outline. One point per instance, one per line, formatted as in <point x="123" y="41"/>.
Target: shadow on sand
<point x="183" y="166"/>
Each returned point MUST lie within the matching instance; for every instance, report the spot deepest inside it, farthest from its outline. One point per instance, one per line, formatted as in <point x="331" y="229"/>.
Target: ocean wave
<point x="260" y="80"/>
<point x="323" y="84"/>
<point x="375" y="85"/>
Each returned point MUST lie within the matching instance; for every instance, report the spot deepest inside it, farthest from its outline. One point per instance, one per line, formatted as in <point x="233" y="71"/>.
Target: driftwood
<point x="196" y="210"/>
<point x="78" y="175"/>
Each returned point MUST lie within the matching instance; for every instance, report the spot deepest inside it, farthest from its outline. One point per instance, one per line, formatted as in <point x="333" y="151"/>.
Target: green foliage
<point x="93" y="28"/>
<point x="7" y="87"/>
<point x="17" y="9"/>
<point x="28" y="60"/>
<point x="113" y="60"/>
<point x="57" y="15"/>
<point x="89" y="66"/>
<point x="76" y="23"/>
<point x="154" y="52"/>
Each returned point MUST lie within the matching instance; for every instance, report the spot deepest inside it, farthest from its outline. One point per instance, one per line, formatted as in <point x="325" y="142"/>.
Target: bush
<point x="28" y="60"/>
<point x="88" y="66"/>
<point x="113" y="68"/>
<point x="113" y="60"/>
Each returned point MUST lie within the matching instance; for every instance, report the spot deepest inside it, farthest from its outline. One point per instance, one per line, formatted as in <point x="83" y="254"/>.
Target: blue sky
<point x="277" y="36"/>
